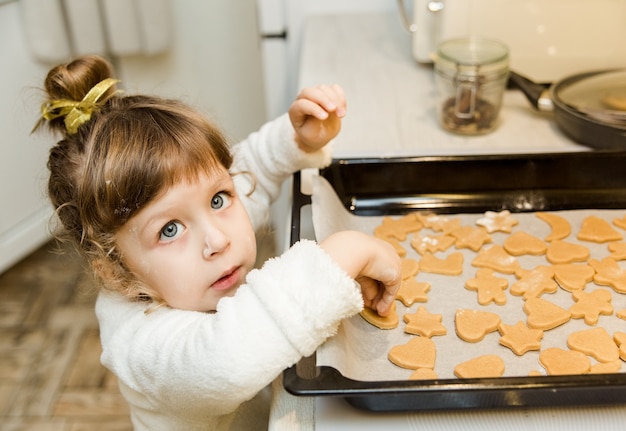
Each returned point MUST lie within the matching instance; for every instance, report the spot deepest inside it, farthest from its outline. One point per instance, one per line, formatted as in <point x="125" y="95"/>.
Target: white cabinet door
<point x="25" y="212"/>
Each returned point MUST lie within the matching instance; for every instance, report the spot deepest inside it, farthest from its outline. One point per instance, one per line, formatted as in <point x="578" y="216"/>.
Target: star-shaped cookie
<point x="520" y="338"/>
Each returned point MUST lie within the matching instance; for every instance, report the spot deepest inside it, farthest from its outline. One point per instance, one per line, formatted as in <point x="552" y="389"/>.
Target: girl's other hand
<point x="372" y="262"/>
<point x="316" y="115"/>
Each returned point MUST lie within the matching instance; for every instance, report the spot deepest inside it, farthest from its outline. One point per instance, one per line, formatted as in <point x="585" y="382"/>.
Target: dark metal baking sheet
<point x="453" y="184"/>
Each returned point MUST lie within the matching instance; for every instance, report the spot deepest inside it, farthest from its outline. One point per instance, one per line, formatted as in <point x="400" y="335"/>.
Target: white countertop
<point x="391" y="98"/>
<point x="391" y="112"/>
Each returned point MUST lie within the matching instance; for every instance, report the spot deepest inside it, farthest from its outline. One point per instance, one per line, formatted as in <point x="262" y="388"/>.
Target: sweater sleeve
<point x="264" y="160"/>
<point x="206" y="364"/>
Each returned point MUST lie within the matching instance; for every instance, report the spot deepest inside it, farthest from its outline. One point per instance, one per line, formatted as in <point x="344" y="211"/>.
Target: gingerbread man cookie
<point x="609" y="273"/>
<point x="489" y="287"/>
<point x="590" y="306"/>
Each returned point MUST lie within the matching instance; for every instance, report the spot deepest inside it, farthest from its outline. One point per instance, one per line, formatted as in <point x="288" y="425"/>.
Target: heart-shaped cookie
<point x="566" y="252"/>
<point x="418" y="352"/>
<point x="521" y="243"/>
<point x="473" y="325"/>
<point x="573" y="276"/>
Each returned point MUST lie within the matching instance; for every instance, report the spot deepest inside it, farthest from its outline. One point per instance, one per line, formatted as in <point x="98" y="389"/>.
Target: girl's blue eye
<point x="220" y="200"/>
<point x="171" y="231"/>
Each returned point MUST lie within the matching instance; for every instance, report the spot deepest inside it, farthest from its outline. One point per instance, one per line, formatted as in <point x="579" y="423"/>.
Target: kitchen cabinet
<point x="25" y="213"/>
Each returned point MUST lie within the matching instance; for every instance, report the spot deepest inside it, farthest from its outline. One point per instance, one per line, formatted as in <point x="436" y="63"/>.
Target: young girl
<point x="165" y="214"/>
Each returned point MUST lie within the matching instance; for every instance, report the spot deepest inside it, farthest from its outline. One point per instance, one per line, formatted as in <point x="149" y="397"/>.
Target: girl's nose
<point x="215" y="242"/>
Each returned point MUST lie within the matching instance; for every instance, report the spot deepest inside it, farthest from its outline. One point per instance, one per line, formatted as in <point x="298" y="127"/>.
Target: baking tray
<point x="454" y="184"/>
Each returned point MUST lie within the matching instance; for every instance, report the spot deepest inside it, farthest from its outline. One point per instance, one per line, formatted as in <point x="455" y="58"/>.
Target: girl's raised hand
<point x="316" y="115"/>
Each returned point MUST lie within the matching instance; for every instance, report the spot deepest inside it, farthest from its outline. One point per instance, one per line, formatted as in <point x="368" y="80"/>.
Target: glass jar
<point x="471" y="75"/>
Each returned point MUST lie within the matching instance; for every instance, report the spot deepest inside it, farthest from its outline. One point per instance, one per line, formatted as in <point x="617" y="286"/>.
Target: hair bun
<point x="72" y="82"/>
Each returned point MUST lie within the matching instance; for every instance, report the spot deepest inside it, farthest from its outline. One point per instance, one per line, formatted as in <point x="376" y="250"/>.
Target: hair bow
<point x="76" y="113"/>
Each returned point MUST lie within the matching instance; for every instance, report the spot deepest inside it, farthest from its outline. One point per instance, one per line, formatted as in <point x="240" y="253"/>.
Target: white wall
<point x="214" y="64"/>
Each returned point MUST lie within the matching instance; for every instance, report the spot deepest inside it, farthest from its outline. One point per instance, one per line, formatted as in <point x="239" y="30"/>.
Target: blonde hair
<point x="130" y="150"/>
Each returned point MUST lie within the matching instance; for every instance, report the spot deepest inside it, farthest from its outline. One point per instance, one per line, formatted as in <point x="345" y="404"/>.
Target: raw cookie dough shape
<point x="480" y="367"/>
<point x="489" y="287"/>
<point x="596" y="229"/>
<point x="520" y="338"/>
<point x="497" y="221"/>
<point x="596" y="343"/>
<point x="560" y="227"/>
<point x="609" y="273"/>
<point x="573" y="276"/>
<point x="450" y="265"/>
<point x="473" y="325"/>
<point x="412" y="291"/>
<point x="418" y="352"/>
<point x="409" y="268"/>
<point x="618" y="250"/>
<point x="543" y="314"/>
<point x="398" y="228"/>
<point x="566" y="252"/>
<point x="620" y="339"/>
<point x="620" y="222"/>
<point x="439" y="223"/>
<point x="534" y="282"/>
<point x="471" y="237"/>
<point x="590" y="306"/>
<point x="400" y="250"/>
<point x="390" y="321"/>
<point x="606" y="367"/>
<point x="520" y="243"/>
<point x="424" y="323"/>
<point x="431" y="243"/>
<point x="423" y="374"/>
<point x="496" y="258"/>
<point x="558" y="361"/>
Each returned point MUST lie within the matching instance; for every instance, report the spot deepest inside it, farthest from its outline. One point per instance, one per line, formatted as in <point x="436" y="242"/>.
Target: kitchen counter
<point x="391" y="98"/>
<point x="391" y="112"/>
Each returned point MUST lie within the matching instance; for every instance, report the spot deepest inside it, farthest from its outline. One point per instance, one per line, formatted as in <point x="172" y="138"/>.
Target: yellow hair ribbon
<point x="77" y="113"/>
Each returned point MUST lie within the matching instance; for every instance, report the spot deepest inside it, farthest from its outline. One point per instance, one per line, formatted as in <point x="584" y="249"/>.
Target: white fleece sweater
<point x="186" y="370"/>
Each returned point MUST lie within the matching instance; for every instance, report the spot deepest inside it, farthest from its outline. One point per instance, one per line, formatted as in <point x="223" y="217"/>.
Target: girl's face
<point x="193" y="245"/>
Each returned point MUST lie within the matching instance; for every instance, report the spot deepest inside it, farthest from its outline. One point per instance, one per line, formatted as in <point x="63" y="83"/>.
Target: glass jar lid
<point x="472" y="51"/>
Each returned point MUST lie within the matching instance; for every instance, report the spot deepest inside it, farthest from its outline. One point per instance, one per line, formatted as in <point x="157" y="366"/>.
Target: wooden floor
<point x="50" y="373"/>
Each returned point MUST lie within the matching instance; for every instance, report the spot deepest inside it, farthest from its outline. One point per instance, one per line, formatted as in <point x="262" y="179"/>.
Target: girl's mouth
<point x="228" y="280"/>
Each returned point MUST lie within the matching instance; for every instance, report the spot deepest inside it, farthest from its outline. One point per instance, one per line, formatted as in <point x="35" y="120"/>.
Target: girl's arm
<point x="208" y="364"/>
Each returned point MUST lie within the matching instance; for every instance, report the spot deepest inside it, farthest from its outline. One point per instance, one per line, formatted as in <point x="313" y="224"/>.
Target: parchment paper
<point x="359" y="351"/>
